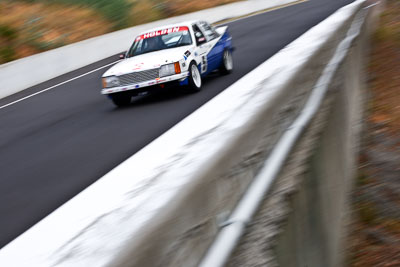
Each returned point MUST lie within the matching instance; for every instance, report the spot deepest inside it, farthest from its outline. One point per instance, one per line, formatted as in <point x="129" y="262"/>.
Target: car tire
<point x="121" y="99"/>
<point x="194" y="78"/>
<point x="227" y="62"/>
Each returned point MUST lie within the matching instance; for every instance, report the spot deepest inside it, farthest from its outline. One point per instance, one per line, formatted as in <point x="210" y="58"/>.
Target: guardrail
<point x="233" y="229"/>
<point x="164" y="205"/>
<point x="14" y="75"/>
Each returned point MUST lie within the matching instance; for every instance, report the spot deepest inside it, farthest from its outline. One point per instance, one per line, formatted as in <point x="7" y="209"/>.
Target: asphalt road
<point x="57" y="143"/>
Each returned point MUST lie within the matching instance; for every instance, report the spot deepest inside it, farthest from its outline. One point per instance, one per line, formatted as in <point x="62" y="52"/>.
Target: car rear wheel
<point x="121" y="99"/>
<point x="194" y="78"/>
<point x="227" y="62"/>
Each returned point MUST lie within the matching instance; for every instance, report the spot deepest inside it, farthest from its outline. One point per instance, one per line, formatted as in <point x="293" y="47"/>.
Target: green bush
<point x="116" y="11"/>
<point x="8" y="33"/>
<point x="7" y="54"/>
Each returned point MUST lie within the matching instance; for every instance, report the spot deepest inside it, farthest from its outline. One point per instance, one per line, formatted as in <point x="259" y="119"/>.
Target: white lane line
<point x="54" y="86"/>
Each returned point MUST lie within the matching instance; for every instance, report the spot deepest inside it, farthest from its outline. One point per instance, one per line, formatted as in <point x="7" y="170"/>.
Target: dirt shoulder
<point x="375" y="232"/>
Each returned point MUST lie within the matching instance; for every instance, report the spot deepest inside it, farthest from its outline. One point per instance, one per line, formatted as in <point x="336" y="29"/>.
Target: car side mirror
<point x="122" y="56"/>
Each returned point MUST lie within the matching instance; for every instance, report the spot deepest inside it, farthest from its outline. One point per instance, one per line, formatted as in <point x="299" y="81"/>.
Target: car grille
<point x="138" y="77"/>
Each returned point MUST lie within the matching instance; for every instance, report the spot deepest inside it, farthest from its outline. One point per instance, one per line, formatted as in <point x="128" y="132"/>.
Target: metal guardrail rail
<point x="232" y="230"/>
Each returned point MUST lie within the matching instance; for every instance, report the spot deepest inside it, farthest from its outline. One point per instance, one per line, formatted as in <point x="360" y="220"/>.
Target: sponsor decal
<point x="138" y="66"/>
<point x="137" y="86"/>
<point x="186" y="55"/>
<point x="161" y="32"/>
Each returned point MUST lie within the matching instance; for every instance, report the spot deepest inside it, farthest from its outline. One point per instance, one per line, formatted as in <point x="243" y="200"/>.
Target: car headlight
<point x="170" y="69"/>
<point x="111" y="81"/>
<point x="167" y="70"/>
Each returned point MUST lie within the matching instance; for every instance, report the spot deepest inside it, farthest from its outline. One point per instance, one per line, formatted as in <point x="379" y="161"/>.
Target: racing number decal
<point x="203" y="64"/>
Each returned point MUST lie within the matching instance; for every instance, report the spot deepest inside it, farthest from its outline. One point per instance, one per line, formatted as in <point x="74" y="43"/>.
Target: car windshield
<point x="160" y="40"/>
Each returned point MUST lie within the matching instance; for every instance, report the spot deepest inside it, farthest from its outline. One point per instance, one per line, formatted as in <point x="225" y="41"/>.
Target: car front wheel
<point x="121" y="99"/>
<point x="194" y="78"/>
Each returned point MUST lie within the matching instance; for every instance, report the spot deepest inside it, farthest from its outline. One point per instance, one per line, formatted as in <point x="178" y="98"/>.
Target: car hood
<point x="147" y="61"/>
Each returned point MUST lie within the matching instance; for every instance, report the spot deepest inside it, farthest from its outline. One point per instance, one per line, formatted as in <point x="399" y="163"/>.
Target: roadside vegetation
<point x="375" y="232"/>
<point x="28" y="27"/>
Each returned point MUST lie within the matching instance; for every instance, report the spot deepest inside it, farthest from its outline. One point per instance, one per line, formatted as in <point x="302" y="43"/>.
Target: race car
<point x="171" y="56"/>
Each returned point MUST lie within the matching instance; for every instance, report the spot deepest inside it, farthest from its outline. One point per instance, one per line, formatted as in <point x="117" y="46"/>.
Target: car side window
<point x="136" y="48"/>
<point x="208" y="30"/>
<point x="200" y="39"/>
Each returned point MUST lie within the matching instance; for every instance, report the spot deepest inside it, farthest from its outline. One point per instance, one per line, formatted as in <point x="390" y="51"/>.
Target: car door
<point x="202" y="48"/>
<point x="214" y="46"/>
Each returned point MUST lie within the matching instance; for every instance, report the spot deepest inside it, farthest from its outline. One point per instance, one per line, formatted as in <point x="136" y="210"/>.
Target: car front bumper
<point x="176" y="77"/>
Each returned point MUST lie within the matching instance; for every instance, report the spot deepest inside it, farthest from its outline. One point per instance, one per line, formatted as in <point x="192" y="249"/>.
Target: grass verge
<point x="375" y="233"/>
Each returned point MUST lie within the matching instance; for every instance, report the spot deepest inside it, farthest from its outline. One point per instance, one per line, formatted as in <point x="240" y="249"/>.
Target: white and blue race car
<point x="175" y="55"/>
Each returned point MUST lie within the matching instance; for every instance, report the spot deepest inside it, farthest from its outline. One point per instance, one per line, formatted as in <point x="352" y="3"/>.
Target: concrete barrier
<point x="23" y="73"/>
<point x="304" y="219"/>
<point x="164" y="205"/>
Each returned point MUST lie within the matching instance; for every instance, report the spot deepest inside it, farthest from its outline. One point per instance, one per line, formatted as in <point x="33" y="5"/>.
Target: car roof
<point x="184" y="23"/>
